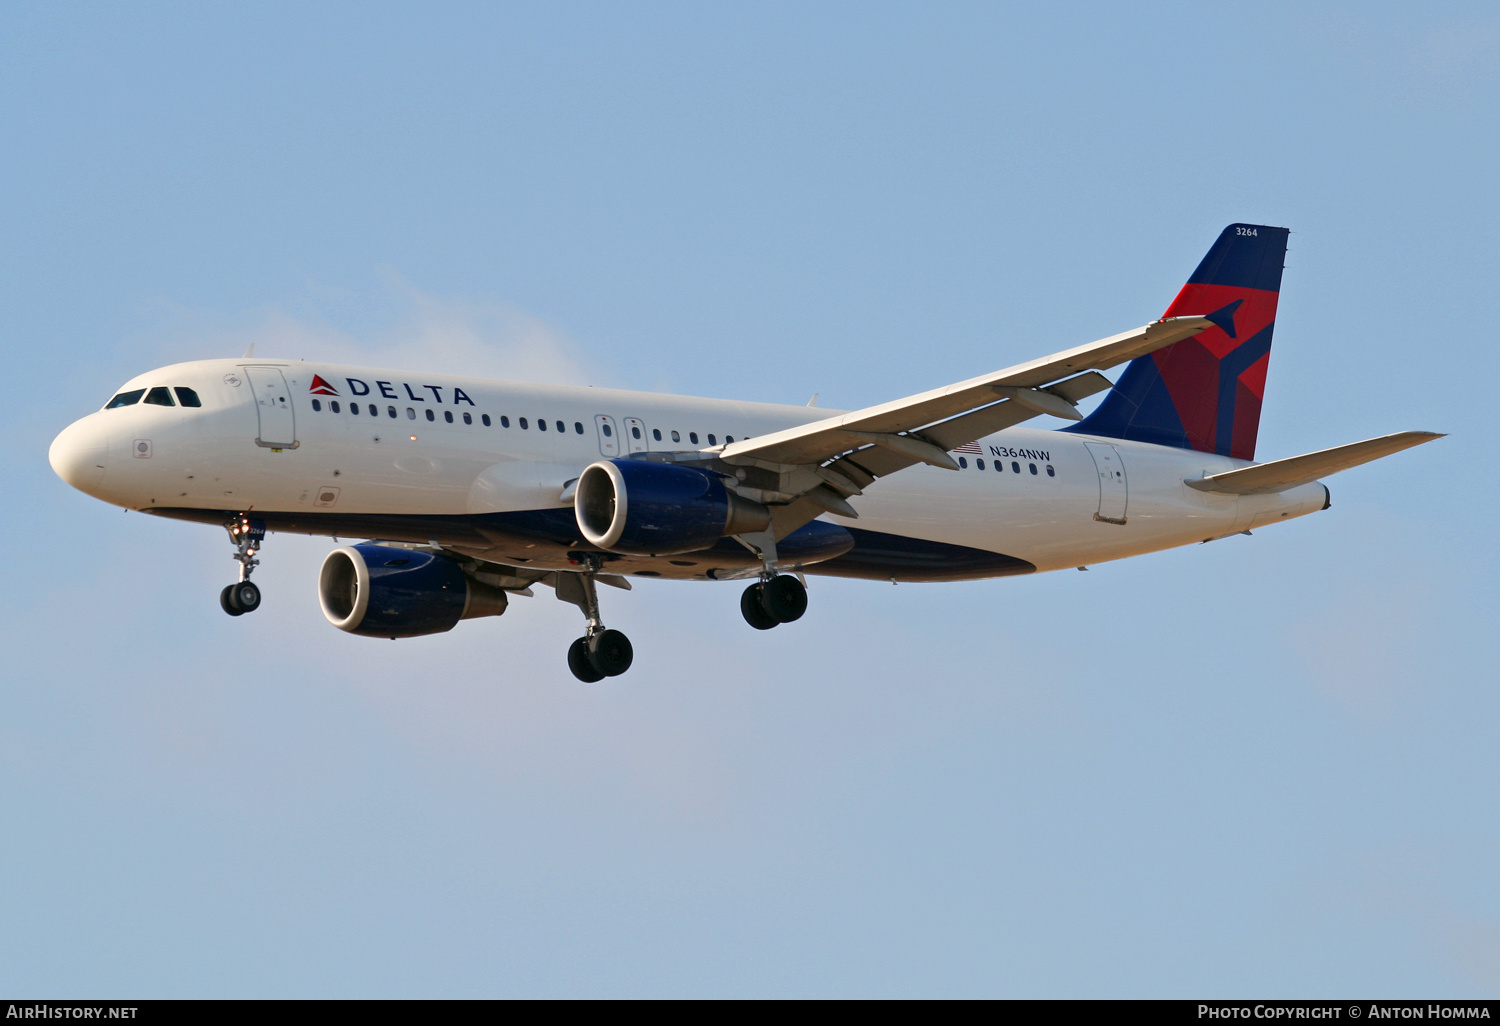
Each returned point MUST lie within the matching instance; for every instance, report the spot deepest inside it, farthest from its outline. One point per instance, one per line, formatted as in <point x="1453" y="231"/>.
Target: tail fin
<point x="1205" y="392"/>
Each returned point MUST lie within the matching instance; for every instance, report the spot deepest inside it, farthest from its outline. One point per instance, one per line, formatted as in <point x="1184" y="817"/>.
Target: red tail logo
<point x="321" y="387"/>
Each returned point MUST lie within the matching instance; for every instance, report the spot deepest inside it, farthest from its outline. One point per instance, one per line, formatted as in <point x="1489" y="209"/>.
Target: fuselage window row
<point x="161" y="397"/>
<point x="191" y="399"/>
<point x="963" y="464"/>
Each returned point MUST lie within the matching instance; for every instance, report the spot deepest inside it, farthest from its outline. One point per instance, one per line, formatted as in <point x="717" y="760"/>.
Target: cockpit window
<point x="160" y="396"/>
<point x="187" y="397"/>
<point x="126" y="399"/>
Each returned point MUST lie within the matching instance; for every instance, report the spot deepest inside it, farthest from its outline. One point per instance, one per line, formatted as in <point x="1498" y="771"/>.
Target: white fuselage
<point x="262" y="441"/>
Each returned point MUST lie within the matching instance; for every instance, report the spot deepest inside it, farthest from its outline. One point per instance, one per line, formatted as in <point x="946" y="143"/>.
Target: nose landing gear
<point x="600" y="652"/>
<point x="238" y="599"/>
<point x="247" y="535"/>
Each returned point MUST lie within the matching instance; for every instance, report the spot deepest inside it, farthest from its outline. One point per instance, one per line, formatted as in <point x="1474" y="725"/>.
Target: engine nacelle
<point x="650" y="509"/>
<point x="385" y="592"/>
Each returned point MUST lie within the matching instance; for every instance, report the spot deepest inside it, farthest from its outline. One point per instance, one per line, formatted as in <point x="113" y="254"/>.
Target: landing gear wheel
<point x="580" y="663"/>
<point x="244" y="596"/>
<point x="783" y="598"/>
<point x="610" y="652"/>
<point x="226" y="599"/>
<point x="753" y="610"/>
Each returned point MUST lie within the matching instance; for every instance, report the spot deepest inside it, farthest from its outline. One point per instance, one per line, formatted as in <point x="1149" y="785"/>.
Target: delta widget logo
<point x="321" y="387"/>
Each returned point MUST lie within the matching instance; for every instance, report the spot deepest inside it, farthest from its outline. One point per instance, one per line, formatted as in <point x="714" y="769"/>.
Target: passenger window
<point x="504" y="421"/>
<point x="561" y="428"/>
<point x="411" y="414"/>
<point x="523" y="424"/>
<point x="391" y="411"/>
<point x="728" y="439"/>
<point x="187" y="397"/>
<point x="999" y="467"/>
<point x="635" y="432"/>
<point x="447" y="415"/>
<point x="541" y="425"/>
<point x="1016" y="467"/>
<point x="160" y="396"/>
<point x="317" y="406"/>
<point x="963" y="464"/>
<point x="1032" y="466"/>
<point x="1050" y="471"/>
<point x="354" y="409"/>
<point x="656" y="433"/>
<point x="577" y="427"/>
<point x="712" y="441"/>
<point x="675" y="436"/>
<point x="485" y="418"/>
<point x="979" y="464"/>
<point x="333" y="405"/>
<point x="433" y="416"/>
<point x="608" y="432"/>
<point x="693" y="437"/>
<point x="468" y="419"/>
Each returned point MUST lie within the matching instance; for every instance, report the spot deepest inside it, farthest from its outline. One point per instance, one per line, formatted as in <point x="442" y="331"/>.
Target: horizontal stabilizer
<point x="1280" y="475"/>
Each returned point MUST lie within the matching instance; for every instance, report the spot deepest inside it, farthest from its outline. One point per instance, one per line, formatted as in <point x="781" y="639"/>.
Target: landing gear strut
<point x="776" y="597"/>
<point x="600" y="652"/>
<point x="246" y="534"/>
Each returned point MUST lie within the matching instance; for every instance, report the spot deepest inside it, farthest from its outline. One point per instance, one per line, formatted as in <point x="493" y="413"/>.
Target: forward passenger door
<point x="273" y="407"/>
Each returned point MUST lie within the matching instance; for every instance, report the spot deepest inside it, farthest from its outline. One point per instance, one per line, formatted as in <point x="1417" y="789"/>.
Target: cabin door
<point x="609" y="437"/>
<point x="273" y="407"/>
<point x="635" y="435"/>
<point x="1114" y="489"/>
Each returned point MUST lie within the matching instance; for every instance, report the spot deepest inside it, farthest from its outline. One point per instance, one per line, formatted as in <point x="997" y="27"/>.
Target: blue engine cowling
<point x="650" y="509"/>
<point x="385" y="592"/>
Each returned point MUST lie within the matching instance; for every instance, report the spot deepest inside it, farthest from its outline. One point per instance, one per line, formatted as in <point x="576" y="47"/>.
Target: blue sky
<point x="1261" y="766"/>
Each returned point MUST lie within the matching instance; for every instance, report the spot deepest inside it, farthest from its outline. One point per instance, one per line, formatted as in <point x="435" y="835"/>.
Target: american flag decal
<point x="972" y="448"/>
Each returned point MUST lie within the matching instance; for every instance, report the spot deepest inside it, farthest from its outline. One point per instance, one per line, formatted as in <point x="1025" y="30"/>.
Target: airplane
<point x="474" y="491"/>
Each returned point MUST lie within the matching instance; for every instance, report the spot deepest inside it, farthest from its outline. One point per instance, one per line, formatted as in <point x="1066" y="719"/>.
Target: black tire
<point x="226" y="599"/>
<point x="783" y="598"/>
<point x="754" y="613"/>
<point x="611" y="653"/>
<point x="245" y="596"/>
<point x="580" y="663"/>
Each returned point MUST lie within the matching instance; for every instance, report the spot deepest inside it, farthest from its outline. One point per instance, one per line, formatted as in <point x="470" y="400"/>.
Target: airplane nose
<point x="78" y="455"/>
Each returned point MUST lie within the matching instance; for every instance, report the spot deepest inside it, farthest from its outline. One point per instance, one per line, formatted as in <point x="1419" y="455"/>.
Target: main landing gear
<point x="776" y="599"/>
<point x="243" y="597"/>
<point x="600" y="652"/>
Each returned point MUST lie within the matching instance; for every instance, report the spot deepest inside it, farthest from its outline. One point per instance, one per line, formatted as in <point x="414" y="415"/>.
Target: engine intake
<point x="650" y="509"/>
<point x="385" y="592"/>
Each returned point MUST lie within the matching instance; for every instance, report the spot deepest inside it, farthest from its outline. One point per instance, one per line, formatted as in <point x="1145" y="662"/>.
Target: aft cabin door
<point x="273" y="405"/>
<point x="1114" y="489"/>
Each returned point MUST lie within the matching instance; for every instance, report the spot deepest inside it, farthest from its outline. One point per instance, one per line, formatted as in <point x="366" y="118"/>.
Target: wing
<point x="817" y="467"/>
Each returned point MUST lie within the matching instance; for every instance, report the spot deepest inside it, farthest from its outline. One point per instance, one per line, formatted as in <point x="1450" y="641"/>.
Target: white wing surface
<point x="817" y="467"/>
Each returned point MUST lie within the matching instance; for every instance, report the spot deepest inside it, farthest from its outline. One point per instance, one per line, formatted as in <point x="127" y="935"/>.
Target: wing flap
<point x="1279" y="475"/>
